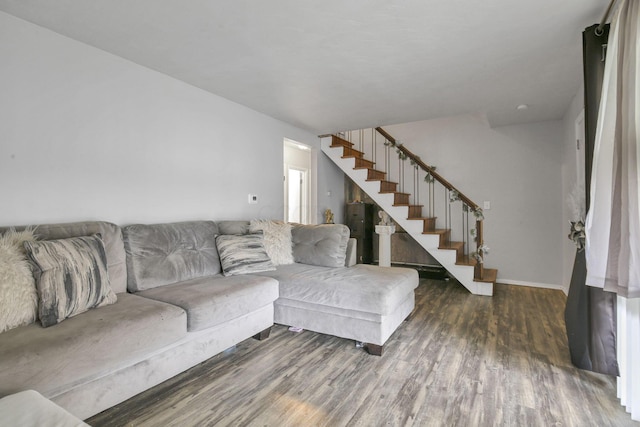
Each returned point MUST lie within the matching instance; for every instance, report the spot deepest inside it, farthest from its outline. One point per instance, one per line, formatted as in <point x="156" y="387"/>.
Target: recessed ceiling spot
<point x="522" y="107"/>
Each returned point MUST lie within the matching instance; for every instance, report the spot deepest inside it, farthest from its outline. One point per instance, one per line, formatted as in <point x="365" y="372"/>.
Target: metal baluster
<point x="450" y="226"/>
<point x="446" y="208"/>
<point x="465" y="227"/>
<point x="416" y="185"/>
<point x="374" y="139"/>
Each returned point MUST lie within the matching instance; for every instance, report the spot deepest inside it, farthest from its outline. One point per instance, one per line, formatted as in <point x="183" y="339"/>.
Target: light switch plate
<point x="487" y="205"/>
<point x="253" y="199"/>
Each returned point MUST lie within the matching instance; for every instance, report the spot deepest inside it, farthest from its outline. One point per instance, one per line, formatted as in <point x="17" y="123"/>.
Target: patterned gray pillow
<point x="71" y="276"/>
<point x="243" y="254"/>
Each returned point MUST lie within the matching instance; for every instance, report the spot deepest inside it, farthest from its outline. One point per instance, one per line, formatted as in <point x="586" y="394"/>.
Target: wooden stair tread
<point x="453" y="246"/>
<point x="422" y="218"/>
<point x="489" y="275"/>
<point x="437" y="231"/>
<point x="337" y="141"/>
<point x="351" y="152"/>
<point x="407" y="204"/>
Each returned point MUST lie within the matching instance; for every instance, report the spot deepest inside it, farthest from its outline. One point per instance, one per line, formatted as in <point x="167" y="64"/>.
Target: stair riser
<point x="415" y="211"/>
<point x="350" y="152"/>
<point x="375" y="175"/>
<point x="362" y="163"/>
<point x="388" y="187"/>
<point x="429" y="224"/>
<point x="339" y="142"/>
<point x="400" y="199"/>
<point x="445" y="237"/>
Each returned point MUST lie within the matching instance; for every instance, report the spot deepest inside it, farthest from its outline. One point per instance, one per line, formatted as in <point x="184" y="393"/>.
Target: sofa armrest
<point x="352" y="253"/>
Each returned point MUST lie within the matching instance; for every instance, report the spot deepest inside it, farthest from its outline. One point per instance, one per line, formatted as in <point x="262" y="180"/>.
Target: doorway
<point x="298" y="177"/>
<point x="297" y="183"/>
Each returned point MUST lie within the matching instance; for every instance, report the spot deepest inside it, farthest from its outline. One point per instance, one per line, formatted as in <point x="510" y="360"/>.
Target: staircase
<point x="382" y="167"/>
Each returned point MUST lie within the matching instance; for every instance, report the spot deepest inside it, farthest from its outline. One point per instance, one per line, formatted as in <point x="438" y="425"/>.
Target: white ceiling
<point x="334" y="65"/>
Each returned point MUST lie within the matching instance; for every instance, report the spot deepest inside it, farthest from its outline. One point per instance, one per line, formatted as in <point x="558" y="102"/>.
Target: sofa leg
<point x="263" y="335"/>
<point x="373" y="349"/>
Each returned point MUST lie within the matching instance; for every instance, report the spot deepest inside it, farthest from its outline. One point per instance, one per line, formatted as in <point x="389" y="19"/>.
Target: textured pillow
<point x="277" y="239"/>
<point x="243" y="254"/>
<point x="71" y="277"/>
<point x="18" y="296"/>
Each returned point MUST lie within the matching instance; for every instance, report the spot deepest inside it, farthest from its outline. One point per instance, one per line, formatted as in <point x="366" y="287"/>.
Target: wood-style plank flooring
<point x="460" y="360"/>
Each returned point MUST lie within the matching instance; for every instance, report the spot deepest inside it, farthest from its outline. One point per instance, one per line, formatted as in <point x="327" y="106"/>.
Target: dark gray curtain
<point x="590" y="313"/>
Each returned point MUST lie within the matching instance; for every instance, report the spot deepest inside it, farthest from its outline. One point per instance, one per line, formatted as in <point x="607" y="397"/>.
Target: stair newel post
<point x="479" y="269"/>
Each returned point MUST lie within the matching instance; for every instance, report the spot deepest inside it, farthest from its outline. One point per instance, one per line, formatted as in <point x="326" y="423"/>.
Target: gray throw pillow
<point x="324" y="244"/>
<point x="243" y="254"/>
<point x="71" y="276"/>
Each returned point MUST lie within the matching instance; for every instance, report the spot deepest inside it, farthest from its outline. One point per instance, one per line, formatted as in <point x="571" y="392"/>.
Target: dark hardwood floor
<point x="460" y="360"/>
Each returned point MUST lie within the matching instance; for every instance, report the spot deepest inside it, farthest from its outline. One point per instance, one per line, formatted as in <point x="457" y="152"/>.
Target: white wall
<point x="518" y="169"/>
<point x="88" y="135"/>
<point x="569" y="179"/>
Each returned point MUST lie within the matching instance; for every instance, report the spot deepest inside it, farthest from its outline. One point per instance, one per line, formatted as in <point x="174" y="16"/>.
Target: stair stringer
<point x="430" y="242"/>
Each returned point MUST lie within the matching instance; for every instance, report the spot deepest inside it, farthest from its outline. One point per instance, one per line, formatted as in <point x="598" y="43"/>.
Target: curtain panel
<point x="613" y="220"/>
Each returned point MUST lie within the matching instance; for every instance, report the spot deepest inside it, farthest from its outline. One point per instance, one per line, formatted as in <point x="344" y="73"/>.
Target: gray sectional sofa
<point x="175" y="309"/>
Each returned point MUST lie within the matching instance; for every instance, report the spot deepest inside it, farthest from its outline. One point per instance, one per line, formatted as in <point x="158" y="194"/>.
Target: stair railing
<point x="371" y="141"/>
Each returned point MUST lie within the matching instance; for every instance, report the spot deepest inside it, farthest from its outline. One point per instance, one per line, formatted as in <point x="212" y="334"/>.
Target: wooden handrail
<point x="427" y="168"/>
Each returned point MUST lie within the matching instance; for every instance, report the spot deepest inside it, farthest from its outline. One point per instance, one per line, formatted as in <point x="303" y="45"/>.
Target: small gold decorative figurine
<point x="328" y="217"/>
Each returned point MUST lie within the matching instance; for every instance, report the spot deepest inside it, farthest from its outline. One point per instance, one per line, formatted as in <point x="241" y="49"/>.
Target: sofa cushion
<point x="362" y="287"/>
<point x="86" y="346"/>
<point x="210" y="301"/>
<point x="233" y="227"/>
<point x="71" y="277"/>
<point x="324" y="245"/>
<point x="111" y="236"/>
<point x="162" y="254"/>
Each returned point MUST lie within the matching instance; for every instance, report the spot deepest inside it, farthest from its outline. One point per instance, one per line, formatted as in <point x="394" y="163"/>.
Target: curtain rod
<point x="600" y="27"/>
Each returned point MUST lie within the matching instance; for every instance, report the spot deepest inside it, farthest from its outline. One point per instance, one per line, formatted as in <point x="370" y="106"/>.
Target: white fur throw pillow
<point x="277" y="239"/>
<point x="18" y="295"/>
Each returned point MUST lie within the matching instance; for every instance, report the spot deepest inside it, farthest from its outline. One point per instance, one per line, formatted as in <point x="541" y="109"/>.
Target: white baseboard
<point x="533" y="284"/>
